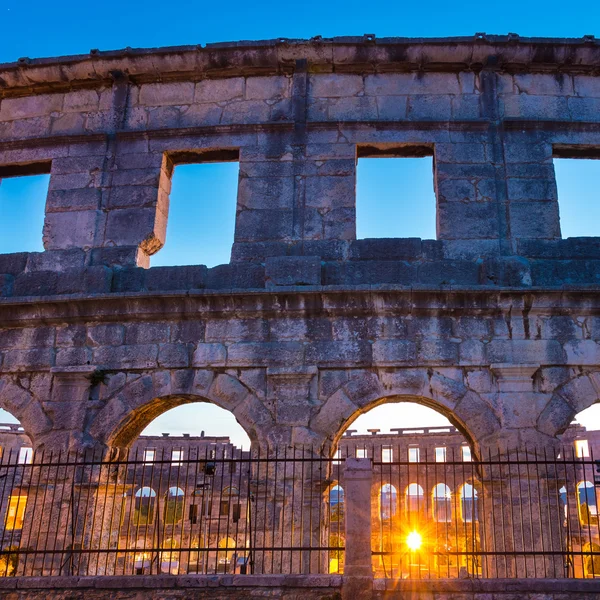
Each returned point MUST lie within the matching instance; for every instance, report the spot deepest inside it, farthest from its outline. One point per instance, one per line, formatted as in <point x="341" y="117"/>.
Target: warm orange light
<point x="414" y="540"/>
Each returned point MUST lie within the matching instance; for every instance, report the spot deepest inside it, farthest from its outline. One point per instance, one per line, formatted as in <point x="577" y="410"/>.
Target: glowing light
<point x="414" y="540"/>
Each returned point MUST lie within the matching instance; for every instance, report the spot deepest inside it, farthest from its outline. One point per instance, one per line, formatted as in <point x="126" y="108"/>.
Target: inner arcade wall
<point x="495" y="323"/>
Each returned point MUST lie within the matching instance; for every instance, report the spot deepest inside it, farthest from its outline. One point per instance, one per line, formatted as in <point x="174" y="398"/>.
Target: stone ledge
<point x="130" y="582"/>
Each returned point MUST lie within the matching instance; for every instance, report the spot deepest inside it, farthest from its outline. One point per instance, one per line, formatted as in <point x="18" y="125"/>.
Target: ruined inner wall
<point x="495" y="323"/>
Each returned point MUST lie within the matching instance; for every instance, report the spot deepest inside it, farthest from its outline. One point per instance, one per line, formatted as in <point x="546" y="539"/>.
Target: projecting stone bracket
<point x="292" y="392"/>
<point x="514" y="378"/>
<point x="70" y="396"/>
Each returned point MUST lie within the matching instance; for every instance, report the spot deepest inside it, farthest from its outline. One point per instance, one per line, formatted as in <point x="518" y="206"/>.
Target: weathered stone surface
<point x="292" y="270"/>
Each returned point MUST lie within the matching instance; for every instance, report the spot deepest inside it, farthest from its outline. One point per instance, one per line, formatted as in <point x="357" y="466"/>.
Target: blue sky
<point x="395" y="197"/>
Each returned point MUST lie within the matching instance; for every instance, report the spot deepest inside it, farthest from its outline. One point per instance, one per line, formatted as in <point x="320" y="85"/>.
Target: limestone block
<point x="334" y="85"/>
<point x="534" y="219"/>
<point x="480" y="420"/>
<point x="293" y="270"/>
<point x="140" y="356"/>
<point x="262" y="225"/>
<point x="429" y="107"/>
<point x="336" y="410"/>
<point x="371" y="272"/>
<point x="466" y="153"/>
<point x="162" y="94"/>
<point x="28" y="360"/>
<point x="268" y="88"/>
<point x="219" y="90"/>
<point x="580" y="392"/>
<point x="40" y="283"/>
<point x="112" y="334"/>
<point x="393" y="84"/>
<point x="73" y="229"/>
<point x="466" y="107"/>
<point x="143" y="226"/>
<point x="584" y="109"/>
<point x="535" y="108"/>
<point x="187" y="331"/>
<point x="363" y="388"/>
<point x="385" y="249"/>
<point x="237" y="330"/>
<point x="88" y="280"/>
<point x="471" y="220"/>
<point x="359" y="108"/>
<point x="239" y="275"/>
<point x="73" y="200"/>
<point x="525" y="351"/>
<point x="437" y="351"/>
<point x="176" y="278"/>
<point x="339" y="353"/>
<point x="394" y="352"/>
<point x="6" y="285"/>
<point x="266" y="192"/>
<point x="252" y="354"/>
<point x="449" y="273"/>
<point x="209" y="355"/>
<point x="556" y="416"/>
<point x="291" y="391"/>
<point x="532" y="189"/>
<point x="30" y="106"/>
<point x="506" y="271"/>
<point x="14" y="263"/>
<point x="146" y="333"/>
<point x="173" y="355"/>
<point x="246" y="111"/>
<point x="56" y="260"/>
<point x="71" y="336"/>
<point x="542" y="84"/>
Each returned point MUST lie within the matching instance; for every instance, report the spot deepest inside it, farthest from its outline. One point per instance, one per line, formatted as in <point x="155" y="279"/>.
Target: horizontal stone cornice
<point x="342" y="54"/>
<point x="297" y="301"/>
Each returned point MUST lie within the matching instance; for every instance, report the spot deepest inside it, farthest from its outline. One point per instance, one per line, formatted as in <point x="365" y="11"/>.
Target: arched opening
<point x="469" y="507"/>
<point x="442" y="503"/>
<point x="174" y="502"/>
<point x="144" y="507"/>
<point x="587" y="503"/>
<point x="388" y="502"/>
<point x="15" y="445"/>
<point x="421" y="456"/>
<point x="336" y="527"/>
<point x="415" y="502"/>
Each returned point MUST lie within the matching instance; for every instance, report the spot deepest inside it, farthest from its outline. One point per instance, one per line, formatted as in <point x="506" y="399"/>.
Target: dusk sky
<point x="394" y="198"/>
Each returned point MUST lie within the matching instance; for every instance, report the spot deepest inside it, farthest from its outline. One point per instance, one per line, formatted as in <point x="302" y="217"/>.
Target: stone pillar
<point x="358" y="567"/>
<point x="61" y="499"/>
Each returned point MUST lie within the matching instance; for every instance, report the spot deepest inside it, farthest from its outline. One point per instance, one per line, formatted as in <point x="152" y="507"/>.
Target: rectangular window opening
<point x="440" y="454"/>
<point x="176" y="457"/>
<point x="25" y="455"/>
<point x="149" y="455"/>
<point x="23" y="191"/>
<point x="582" y="449"/>
<point x="466" y="453"/>
<point x="361" y="453"/>
<point x="201" y="209"/>
<point x="15" y="513"/>
<point x="395" y="195"/>
<point x="414" y="455"/>
<point x="387" y="454"/>
<point x="577" y="186"/>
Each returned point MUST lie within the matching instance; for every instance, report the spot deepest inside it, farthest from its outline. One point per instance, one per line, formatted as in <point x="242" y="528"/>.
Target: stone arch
<point x="568" y="400"/>
<point x="20" y="396"/>
<point x="365" y="390"/>
<point x="131" y="403"/>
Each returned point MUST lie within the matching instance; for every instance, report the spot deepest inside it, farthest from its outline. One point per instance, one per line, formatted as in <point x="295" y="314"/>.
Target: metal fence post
<point x="358" y="568"/>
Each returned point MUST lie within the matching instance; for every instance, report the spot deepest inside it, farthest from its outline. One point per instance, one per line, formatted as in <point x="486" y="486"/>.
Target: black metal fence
<point x="152" y="513"/>
<point x="518" y="515"/>
<point x="525" y="514"/>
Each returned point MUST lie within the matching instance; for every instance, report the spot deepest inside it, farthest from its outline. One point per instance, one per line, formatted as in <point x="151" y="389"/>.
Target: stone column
<point x="358" y="567"/>
<point x="520" y="506"/>
<point x="62" y="499"/>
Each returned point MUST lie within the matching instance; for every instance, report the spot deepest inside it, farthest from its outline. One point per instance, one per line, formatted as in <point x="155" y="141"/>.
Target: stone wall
<point x="495" y="323"/>
<point x="287" y="588"/>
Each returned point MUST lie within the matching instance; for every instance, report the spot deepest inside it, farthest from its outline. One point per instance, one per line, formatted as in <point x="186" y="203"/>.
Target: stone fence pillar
<point x="358" y="567"/>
